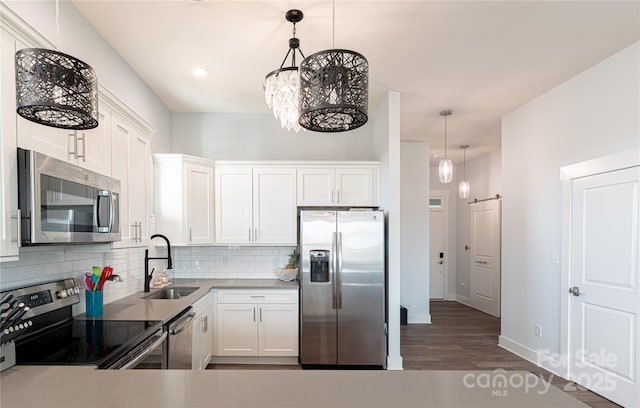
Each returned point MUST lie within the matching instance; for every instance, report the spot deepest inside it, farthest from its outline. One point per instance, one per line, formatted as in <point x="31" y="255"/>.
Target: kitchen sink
<point x="176" y="292"/>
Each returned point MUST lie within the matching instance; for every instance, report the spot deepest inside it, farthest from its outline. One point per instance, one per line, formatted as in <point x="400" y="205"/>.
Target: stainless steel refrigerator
<point x="342" y="288"/>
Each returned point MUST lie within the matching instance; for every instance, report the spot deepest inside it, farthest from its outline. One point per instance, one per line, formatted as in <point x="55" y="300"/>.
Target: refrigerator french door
<point x="342" y="288"/>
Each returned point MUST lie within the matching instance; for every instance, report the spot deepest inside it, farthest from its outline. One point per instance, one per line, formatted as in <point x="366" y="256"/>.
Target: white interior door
<point x="604" y="302"/>
<point x="485" y="257"/>
<point x="437" y="234"/>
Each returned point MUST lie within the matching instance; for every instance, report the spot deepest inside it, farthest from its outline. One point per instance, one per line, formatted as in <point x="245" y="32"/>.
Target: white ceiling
<point x="482" y="59"/>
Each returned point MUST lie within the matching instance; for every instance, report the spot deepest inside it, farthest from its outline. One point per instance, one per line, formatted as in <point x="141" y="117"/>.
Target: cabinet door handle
<point x="261" y="314"/>
<point x="338" y="194"/>
<point x="205" y="324"/>
<point x="84" y="146"/>
<point x="255" y="235"/>
<point x="254" y="314"/>
<point x="18" y="218"/>
<point x="333" y="193"/>
<point x="190" y="235"/>
<point x="74" y="135"/>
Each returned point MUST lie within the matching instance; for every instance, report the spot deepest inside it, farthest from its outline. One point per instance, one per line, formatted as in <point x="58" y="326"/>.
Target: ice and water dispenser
<point x="319" y="265"/>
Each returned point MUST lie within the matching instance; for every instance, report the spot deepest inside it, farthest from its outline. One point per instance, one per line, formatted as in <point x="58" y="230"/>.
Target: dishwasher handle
<point x="182" y="324"/>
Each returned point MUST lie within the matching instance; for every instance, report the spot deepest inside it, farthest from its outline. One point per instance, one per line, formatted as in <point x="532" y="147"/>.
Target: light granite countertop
<point x="68" y="387"/>
<point x="135" y="307"/>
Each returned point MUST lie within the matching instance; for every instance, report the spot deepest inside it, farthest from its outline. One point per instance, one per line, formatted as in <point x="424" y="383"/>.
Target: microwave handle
<point x="100" y="194"/>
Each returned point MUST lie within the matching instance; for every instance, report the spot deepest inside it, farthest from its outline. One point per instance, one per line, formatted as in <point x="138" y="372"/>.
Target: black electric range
<point x="56" y="338"/>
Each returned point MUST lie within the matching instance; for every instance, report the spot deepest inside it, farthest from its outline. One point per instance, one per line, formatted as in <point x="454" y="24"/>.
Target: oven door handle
<point x="144" y="355"/>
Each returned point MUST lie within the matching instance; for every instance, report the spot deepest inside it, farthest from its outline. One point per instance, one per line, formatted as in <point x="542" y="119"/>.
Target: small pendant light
<point x="445" y="168"/>
<point x="463" y="187"/>
<point x="55" y="89"/>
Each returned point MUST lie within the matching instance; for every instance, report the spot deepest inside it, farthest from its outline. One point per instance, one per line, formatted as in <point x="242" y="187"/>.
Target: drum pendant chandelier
<point x="55" y="89"/>
<point x="334" y="90"/>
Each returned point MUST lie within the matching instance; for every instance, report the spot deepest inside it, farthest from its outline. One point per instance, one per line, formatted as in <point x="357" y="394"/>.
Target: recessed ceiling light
<point x="200" y="72"/>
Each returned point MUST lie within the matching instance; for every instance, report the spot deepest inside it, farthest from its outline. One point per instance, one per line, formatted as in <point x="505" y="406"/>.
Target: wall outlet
<point x="538" y="330"/>
<point x="461" y="283"/>
<point x="555" y="257"/>
<point x="225" y="261"/>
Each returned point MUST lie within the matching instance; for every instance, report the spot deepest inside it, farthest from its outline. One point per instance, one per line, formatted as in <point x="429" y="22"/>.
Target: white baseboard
<point x="537" y="357"/>
<point x="254" y="360"/>
<point x="394" y="363"/>
<point x="464" y="300"/>
<point x="419" y="319"/>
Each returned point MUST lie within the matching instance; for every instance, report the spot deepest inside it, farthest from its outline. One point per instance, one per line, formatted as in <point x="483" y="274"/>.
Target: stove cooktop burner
<point x="83" y="342"/>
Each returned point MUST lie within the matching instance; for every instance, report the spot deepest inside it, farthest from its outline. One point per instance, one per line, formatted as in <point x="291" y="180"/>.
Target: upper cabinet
<point x="184" y="198"/>
<point x="344" y="186"/>
<point x="255" y="204"/>
<point x="9" y="218"/>
<point x="131" y="164"/>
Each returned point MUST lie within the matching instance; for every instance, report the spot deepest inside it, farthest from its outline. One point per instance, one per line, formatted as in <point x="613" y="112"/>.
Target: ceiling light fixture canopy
<point x="282" y="86"/>
<point x="445" y="168"/>
<point x="464" y="188"/>
<point x="334" y="89"/>
<point x="55" y="89"/>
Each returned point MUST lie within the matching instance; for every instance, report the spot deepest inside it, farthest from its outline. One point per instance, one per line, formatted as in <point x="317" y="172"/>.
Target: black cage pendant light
<point x="55" y="89"/>
<point x="334" y="90"/>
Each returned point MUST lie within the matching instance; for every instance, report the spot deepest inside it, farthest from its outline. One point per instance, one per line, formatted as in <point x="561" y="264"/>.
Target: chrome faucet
<point x="148" y="276"/>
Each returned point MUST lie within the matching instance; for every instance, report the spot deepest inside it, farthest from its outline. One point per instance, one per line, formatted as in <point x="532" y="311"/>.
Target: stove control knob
<point x="62" y="293"/>
<point x="76" y="290"/>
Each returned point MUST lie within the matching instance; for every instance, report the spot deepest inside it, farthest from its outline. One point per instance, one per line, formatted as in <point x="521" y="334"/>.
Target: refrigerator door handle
<point x="334" y="265"/>
<point x="339" y="270"/>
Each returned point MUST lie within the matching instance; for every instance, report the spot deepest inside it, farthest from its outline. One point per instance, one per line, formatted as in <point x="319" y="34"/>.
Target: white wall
<point x="79" y="39"/>
<point x="594" y="114"/>
<point x="237" y="136"/>
<point x="414" y="231"/>
<point x="386" y="148"/>
<point x="484" y="174"/>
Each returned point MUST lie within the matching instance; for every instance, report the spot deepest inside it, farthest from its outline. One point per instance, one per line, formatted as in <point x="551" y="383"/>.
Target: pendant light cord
<point x="57" y="25"/>
<point x="445" y="138"/>
<point x="464" y="153"/>
<point x="333" y="39"/>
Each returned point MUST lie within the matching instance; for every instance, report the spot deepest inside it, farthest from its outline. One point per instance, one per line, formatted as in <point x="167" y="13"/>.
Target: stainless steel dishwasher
<point x="180" y="340"/>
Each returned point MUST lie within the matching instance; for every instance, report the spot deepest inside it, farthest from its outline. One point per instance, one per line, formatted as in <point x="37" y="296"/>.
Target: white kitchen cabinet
<point x="202" y="333"/>
<point x="255" y="205"/>
<point x="348" y="186"/>
<point x="9" y="222"/>
<point x="257" y="322"/>
<point x="131" y="164"/>
<point x="184" y="198"/>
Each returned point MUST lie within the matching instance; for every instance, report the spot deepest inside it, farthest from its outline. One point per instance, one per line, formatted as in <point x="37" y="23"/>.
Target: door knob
<point x="467" y="247"/>
<point x="575" y="291"/>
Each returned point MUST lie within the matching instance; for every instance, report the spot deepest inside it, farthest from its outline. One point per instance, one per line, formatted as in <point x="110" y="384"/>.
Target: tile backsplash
<point x="48" y="263"/>
<point x="229" y="262"/>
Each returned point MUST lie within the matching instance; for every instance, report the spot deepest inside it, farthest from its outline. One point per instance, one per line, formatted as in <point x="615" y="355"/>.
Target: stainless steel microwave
<point x="59" y="202"/>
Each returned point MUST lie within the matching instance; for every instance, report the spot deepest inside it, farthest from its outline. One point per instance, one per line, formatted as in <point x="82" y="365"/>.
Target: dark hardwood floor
<point x="459" y="338"/>
<point x="462" y="338"/>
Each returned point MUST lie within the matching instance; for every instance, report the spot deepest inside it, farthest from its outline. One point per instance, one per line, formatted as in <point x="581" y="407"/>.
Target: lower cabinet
<point x="202" y="348"/>
<point x="257" y="322"/>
